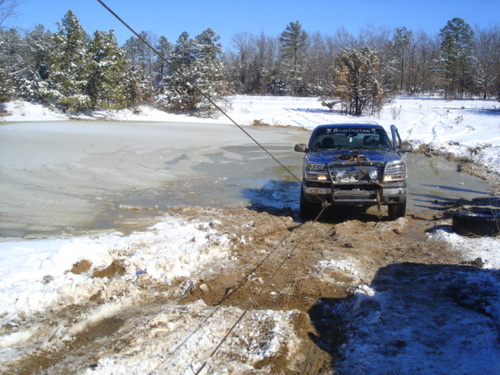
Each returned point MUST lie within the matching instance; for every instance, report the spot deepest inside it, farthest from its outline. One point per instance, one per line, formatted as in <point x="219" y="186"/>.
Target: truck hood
<point x="329" y="156"/>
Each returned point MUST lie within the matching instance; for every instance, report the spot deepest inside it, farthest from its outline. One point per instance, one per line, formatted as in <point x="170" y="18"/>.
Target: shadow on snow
<point x="418" y="318"/>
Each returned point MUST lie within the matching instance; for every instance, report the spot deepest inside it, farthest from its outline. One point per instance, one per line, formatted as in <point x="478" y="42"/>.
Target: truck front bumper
<point x="368" y="194"/>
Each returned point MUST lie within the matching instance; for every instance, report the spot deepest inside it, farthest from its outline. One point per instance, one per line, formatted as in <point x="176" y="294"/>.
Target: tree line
<point x="74" y="71"/>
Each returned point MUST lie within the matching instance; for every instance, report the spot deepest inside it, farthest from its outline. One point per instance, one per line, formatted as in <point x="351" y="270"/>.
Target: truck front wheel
<point x="308" y="211"/>
<point x="397" y="210"/>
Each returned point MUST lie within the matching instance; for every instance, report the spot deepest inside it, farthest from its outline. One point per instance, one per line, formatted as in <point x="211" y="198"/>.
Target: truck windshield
<point x="350" y="138"/>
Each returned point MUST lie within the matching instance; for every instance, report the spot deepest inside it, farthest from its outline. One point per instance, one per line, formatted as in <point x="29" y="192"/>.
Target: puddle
<point x="253" y="180"/>
<point x="434" y="181"/>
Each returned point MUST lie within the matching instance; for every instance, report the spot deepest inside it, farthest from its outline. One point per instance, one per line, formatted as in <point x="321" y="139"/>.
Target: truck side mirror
<point x="301" y="147"/>
<point x="406" y="147"/>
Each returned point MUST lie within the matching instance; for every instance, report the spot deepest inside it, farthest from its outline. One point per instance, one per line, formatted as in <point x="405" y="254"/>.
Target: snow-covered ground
<point x="35" y="277"/>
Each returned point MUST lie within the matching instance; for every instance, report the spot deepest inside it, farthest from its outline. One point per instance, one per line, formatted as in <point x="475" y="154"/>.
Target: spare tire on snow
<point x="479" y="223"/>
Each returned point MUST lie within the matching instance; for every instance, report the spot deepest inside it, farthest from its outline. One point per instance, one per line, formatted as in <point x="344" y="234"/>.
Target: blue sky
<point x="170" y="18"/>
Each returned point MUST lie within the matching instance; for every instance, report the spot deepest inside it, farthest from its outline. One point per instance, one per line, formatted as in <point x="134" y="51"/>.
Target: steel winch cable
<point x="201" y="92"/>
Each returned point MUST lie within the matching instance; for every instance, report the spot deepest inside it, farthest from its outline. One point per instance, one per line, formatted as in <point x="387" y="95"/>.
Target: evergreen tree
<point x="455" y="63"/>
<point x="34" y="84"/>
<point x="195" y="67"/>
<point x="138" y="87"/>
<point x="106" y="72"/>
<point x="160" y="65"/>
<point x="180" y="93"/>
<point x="10" y="61"/>
<point x="210" y="70"/>
<point x="293" y="42"/>
<point x="69" y="65"/>
<point x="5" y="86"/>
<point x="139" y="54"/>
<point x="140" y="78"/>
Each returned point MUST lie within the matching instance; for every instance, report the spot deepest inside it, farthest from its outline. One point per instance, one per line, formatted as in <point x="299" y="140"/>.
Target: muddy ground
<point x="274" y="266"/>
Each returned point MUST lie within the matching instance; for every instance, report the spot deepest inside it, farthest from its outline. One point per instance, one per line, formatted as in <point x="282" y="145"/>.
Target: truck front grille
<point x="350" y="173"/>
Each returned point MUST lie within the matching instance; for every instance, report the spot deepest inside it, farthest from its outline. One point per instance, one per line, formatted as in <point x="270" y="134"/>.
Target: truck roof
<point x="349" y="126"/>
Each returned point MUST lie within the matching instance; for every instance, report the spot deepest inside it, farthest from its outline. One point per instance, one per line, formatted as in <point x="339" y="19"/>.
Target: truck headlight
<point x="395" y="172"/>
<point x="373" y="175"/>
<point x="316" y="172"/>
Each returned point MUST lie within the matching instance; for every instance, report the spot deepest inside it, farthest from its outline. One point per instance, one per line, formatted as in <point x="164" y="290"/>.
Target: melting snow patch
<point x="171" y="249"/>
<point x="472" y="248"/>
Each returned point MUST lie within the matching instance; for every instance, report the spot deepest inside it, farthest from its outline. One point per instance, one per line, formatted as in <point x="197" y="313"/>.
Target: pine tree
<point x="160" y="65"/>
<point x="33" y="85"/>
<point x="211" y="70"/>
<point x="5" y="86"/>
<point x="293" y="43"/>
<point x="139" y="82"/>
<point x="139" y="54"/>
<point x="10" y="61"/>
<point x="180" y="94"/>
<point x="106" y="72"/>
<point x="196" y="71"/>
<point x="70" y="65"/>
<point x="400" y="45"/>
<point x="138" y="87"/>
<point x="455" y="63"/>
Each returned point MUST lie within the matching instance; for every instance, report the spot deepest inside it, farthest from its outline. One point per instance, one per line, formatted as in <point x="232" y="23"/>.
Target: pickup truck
<point x="353" y="165"/>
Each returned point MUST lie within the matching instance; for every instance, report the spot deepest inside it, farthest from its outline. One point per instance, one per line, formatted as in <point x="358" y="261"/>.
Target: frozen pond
<point x="75" y="177"/>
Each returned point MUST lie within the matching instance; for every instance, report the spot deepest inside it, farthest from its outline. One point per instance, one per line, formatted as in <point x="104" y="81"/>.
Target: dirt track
<point x="278" y="264"/>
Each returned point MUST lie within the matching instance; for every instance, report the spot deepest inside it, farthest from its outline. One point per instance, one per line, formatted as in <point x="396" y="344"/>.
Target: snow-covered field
<point x="35" y="277"/>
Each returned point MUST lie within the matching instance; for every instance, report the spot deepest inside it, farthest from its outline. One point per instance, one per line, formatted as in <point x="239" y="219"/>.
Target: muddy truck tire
<point x="476" y="223"/>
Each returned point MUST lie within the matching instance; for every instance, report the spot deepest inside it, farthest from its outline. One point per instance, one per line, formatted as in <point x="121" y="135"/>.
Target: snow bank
<point x="37" y="275"/>
<point x="21" y="111"/>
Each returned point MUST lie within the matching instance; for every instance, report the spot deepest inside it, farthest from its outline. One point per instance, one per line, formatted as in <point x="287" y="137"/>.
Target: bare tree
<point x="401" y="44"/>
<point x="7" y="10"/>
<point x="487" y="61"/>
<point x="253" y="64"/>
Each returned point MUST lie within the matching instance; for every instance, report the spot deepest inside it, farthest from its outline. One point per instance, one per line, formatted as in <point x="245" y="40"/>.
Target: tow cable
<point x="379" y="205"/>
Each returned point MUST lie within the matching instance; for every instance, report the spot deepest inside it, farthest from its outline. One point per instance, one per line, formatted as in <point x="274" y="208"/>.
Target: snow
<point x="35" y="277"/>
<point x="35" y="273"/>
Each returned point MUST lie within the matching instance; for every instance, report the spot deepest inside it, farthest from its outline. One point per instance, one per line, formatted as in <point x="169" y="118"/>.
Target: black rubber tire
<point x="476" y="223"/>
<point x="397" y="210"/>
<point x="308" y="211"/>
